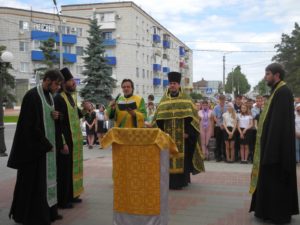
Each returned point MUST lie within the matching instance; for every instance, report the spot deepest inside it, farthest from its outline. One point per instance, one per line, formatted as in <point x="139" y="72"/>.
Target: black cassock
<point x="275" y="197"/>
<point x="28" y="156"/>
<point x="64" y="162"/>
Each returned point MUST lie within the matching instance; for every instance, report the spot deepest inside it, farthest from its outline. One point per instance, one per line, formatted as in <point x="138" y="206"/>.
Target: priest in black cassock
<point x="33" y="155"/>
<point x="69" y="144"/>
<point x="273" y="179"/>
<point x="177" y="116"/>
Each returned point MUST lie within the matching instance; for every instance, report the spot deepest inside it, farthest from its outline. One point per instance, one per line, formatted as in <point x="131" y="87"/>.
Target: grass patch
<point x="10" y="119"/>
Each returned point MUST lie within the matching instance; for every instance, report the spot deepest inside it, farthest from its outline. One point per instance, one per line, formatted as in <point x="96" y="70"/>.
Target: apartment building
<point x="22" y="32"/>
<point x="140" y="48"/>
<point x="137" y="46"/>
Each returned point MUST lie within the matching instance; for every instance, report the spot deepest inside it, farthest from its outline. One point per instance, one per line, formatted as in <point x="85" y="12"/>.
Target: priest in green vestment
<point x="177" y="116"/>
<point x="128" y="111"/>
<point x="273" y="179"/>
<point x="33" y="155"/>
<point x="69" y="144"/>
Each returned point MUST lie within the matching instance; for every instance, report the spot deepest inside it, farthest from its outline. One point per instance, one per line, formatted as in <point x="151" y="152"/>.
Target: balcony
<point x="109" y="42"/>
<point x="39" y="56"/>
<point x="166" y="44"/>
<point x="156" y="81"/>
<point x="181" y="51"/>
<point x="156" y="67"/>
<point x="165" y="83"/>
<point x="156" y="38"/>
<point x="166" y="69"/>
<point x="111" y="60"/>
<point x="44" y="36"/>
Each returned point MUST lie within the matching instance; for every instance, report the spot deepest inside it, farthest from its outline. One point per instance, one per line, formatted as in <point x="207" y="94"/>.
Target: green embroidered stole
<point x="77" y="146"/>
<point x="49" y="127"/>
<point x="173" y="110"/>
<point x="256" y="159"/>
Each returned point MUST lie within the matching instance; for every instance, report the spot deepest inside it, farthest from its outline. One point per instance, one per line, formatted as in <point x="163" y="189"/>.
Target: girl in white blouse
<point x="229" y="122"/>
<point x="245" y="123"/>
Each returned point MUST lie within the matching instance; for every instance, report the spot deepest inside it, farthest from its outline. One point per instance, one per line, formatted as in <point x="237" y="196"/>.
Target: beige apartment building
<point x="137" y="46"/>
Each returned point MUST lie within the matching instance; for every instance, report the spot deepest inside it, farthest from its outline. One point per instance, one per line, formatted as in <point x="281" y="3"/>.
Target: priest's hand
<point x="131" y="112"/>
<point x="65" y="150"/>
<point x="55" y="114"/>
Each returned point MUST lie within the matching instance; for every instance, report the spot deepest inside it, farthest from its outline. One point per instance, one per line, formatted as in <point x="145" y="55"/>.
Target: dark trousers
<point x="237" y="145"/>
<point x="219" y="151"/>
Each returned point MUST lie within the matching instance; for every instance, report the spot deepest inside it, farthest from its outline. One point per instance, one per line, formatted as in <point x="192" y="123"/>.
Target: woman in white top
<point x="297" y="125"/>
<point x="229" y="122"/>
<point x="101" y="123"/>
<point x="245" y="123"/>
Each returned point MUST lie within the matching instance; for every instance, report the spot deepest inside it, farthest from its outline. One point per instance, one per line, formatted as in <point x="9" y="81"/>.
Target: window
<point x="148" y="74"/>
<point x="44" y="27"/>
<point x="36" y="45"/>
<point x="23" y="25"/>
<point x="67" y="48"/>
<point x="143" y="73"/>
<point x="66" y="29"/>
<point x="137" y="72"/>
<point x="105" y="17"/>
<point x="108" y="53"/>
<point x="79" y="32"/>
<point x="107" y="35"/>
<point x="24" y="67"/>
<point x="23" y="46"/>
<point x="79" y="69"/>
<point x="79" y="50"/>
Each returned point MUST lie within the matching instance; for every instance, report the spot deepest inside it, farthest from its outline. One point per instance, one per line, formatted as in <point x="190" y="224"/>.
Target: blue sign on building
<point x="208" y="91"/>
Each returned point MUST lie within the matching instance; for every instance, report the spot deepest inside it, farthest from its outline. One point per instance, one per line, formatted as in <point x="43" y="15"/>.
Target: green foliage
<point x="50" y="58"/>
<point x="237" y="82"/>
<point x="262" y="88"/>
<point x="7" y="82"/>
<point x="196" y="96"/>
<point x="288" y="54"/>
<point x="99" y="83"/>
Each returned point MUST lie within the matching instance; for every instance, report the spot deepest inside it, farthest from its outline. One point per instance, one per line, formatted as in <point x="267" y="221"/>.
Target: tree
<point x="237" y="82"/>
<point x="262" y="88"/>
<point x="99" y="83"/>
<point x="7" y="84"/>
<point x="196" y="96"/>
<point x="288" y="54"/>
<point x="50" y="57"/>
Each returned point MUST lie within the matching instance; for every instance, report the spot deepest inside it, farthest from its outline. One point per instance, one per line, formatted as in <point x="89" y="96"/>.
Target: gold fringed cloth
<point x="136" y="168"/>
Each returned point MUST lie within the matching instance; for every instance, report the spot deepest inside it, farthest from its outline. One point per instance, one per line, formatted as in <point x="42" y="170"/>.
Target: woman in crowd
<point x="206" y="127"/>
<point x="90" y="122"/>
<point x="150" y="114"/>
<point x="245" y="124"/>
<point x="230" y="123"/>
<point x="101" y="123"/>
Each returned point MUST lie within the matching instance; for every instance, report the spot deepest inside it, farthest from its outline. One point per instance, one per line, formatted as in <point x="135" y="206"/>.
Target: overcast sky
<point x="213" y="28"/>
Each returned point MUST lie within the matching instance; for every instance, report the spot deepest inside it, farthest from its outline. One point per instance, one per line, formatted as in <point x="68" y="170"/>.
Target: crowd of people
<point x="47" y="150"/>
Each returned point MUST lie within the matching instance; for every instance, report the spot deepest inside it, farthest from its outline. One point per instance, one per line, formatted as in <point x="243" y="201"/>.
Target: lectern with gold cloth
<point x="141" y="174"/>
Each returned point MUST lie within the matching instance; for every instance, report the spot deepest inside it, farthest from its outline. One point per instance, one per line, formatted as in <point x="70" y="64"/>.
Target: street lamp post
<point x="5" y="58"/>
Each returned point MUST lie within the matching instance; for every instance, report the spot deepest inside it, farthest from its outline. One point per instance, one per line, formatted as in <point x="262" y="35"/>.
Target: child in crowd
<point x="245" y="124"/>
<point x="229" y="122"/>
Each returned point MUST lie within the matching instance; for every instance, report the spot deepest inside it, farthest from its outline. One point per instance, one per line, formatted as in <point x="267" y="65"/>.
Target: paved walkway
<point x="217" y="197"/>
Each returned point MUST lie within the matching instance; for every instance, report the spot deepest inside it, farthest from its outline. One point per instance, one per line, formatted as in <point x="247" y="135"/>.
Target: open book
<point x="126" y="105"/>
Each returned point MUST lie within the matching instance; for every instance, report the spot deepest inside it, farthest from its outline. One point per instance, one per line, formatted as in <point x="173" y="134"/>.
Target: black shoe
<point x="76" y="200"/>
<point x="57" y="217"/>
<point x="3" y="154"/>
<point x="66" y="206"/>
